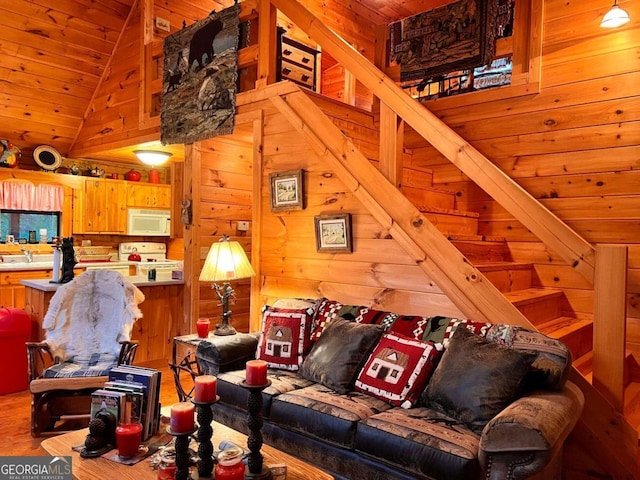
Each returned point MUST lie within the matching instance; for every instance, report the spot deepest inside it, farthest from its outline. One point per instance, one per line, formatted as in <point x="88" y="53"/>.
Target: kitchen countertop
<point x="45" y="285"/>
<point x="11" y="266"/>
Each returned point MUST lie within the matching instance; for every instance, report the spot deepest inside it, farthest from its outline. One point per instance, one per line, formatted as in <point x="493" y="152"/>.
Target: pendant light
<point x="615" y="17"/>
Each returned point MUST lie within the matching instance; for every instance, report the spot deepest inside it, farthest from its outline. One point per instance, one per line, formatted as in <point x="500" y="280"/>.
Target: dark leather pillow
<point x="476" y="379"/>
<point x="339" y="354"/>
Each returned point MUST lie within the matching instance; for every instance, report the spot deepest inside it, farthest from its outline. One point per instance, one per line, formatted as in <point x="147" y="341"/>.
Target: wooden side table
<point x="222" y="354"/>
<point x="183" y="361"/>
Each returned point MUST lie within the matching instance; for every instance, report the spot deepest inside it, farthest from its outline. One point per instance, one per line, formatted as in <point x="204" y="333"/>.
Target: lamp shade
<point x="152" y="157"/>
<point x="226" y="261"/>
<point x="616" y="17"/>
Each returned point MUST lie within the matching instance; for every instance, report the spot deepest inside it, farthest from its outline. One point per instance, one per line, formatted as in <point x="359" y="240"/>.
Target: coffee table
<point x="101" y="468"/>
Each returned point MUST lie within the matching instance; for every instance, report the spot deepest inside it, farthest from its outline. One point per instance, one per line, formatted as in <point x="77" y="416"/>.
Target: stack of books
<point x="132" y="394"/>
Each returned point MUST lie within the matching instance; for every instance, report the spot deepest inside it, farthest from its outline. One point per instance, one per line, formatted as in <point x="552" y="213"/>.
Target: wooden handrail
<point x="576" y="251"/>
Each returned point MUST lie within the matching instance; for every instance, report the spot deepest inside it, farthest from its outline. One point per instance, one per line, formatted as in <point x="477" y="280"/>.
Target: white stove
<point x="152" y="255"/>
<point x="148" y="251"/>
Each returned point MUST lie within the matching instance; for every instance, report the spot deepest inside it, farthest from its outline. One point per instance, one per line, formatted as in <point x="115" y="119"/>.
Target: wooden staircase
<point x="542" y="306"/>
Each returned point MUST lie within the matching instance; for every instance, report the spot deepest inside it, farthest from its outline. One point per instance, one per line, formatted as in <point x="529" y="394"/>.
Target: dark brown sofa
<point x="355" y="435"/>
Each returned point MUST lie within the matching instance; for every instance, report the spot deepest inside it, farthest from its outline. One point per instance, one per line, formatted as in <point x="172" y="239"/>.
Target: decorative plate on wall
<point x="47" y="158"/>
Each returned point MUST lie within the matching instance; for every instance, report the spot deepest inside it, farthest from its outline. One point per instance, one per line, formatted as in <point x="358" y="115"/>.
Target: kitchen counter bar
<point x="138" y="280"/>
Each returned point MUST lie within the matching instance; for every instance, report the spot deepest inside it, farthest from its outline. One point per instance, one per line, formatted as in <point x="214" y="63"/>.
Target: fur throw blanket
<point x="91" y="314"/>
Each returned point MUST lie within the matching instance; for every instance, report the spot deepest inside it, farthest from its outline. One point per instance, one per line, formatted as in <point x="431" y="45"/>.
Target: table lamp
<point x="225" y="261"/>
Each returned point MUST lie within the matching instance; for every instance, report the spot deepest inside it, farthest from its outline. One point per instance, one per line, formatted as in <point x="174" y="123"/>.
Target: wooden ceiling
<point x="55" y="53"/>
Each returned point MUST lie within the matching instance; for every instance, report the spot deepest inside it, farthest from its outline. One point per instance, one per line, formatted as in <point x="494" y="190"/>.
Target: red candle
<point x="128" y="438"/>
<point x="182" y="417"/>
<point x="202" y="326"/>
<point x="256" y="372"/>
<point x="205" y="388"/>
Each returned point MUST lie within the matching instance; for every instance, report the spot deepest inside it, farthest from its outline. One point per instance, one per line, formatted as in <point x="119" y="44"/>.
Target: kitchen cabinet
<point x="12" y="294"/>
<point x="146" y="195"/>
<point x="99" y="207"/>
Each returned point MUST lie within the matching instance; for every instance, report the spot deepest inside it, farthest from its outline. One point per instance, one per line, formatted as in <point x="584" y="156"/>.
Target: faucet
<point x="28" y="254"/>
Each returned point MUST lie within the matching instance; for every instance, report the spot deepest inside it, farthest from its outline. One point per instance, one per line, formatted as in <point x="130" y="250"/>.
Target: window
<point x="20" y="222"/>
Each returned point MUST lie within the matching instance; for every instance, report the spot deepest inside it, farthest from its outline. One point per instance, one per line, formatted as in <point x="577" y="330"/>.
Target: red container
<point x="15" y="330"/>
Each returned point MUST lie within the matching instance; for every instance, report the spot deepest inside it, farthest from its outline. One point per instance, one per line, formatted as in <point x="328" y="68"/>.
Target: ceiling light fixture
<point x="152" y="157"/>
<point x="615" y="17"/>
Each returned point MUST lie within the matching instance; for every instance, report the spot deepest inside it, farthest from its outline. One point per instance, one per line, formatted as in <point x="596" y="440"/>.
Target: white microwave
<point x="150" y="223"/>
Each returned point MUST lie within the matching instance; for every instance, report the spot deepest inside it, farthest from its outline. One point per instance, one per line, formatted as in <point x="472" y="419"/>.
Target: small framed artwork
<point x="287" y="191"/>
<point x="333" y="233"/>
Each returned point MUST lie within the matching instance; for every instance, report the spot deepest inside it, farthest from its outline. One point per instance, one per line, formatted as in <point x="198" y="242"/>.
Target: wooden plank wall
<point x="574" y="146"/>
<point x="290" y="264"/>
<point x="226" y="184"/>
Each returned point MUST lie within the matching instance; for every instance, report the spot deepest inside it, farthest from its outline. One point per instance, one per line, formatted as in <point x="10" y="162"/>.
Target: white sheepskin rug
<point x="91" y="314"/>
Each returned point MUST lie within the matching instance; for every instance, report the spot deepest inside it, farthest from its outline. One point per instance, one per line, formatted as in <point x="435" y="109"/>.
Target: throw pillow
<point x="284" y="337"/>
<point x="327" y="311"/>
<point x="441" y="329"/>
<point x="476" y="379"/>
<point x="398" y="370"/>
<point x="338" y="355"/>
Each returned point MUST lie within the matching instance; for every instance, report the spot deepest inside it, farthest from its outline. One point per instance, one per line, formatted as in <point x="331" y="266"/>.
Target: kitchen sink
<point x="19" y="261"/>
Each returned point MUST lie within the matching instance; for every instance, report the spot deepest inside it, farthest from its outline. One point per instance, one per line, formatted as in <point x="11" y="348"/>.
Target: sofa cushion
<point x="431" y="443"/>
<point x="552" y="365"/>
<point x="282" y="381"/>
<point x="322" y="413"/>
<point x="285" y="337"/>
<point x="337" y="357"/>
<point x="476" y="379"/>
<point x="398" y="369"/>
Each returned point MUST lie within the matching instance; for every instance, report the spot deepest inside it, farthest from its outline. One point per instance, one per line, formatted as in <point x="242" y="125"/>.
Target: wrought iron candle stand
<point x="255" y="469"/>
<point x="182" y="453"/>
<point x="205" y="432"/>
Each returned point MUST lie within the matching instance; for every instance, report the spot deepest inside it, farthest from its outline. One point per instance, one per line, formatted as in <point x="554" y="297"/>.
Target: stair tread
<point x="476" y="238"/>
<point x="530" y="295"/>
<point x="505" y="265"/>
<point x="447" y="211"/>
<point x="562" y="326"/>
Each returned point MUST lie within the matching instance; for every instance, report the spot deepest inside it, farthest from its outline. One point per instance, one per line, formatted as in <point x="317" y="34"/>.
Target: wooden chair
<point x="87" y="332"/>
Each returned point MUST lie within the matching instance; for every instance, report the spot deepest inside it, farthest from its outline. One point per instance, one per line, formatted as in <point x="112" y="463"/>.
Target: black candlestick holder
<point x="255" y="469"/>
<point x="205" y="432"/>
<point x="182" y="453"/>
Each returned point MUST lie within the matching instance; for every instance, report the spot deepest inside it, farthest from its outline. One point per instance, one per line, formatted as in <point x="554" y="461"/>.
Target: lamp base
<point x="225" y="330"/>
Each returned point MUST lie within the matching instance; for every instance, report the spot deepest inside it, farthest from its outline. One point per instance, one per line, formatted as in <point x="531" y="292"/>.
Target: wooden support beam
<point x="256" y="217"/>
<point x="191" y="191"/>
<point x="543" y="223"/>
<point x="391" y="145"/>
<point x="266" y="43"/>
<point x="349" y="88"/>
<point x="609" y="322"/>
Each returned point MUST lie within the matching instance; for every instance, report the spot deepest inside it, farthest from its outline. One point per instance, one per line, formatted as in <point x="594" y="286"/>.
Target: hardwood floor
<point x="15" y="416"/>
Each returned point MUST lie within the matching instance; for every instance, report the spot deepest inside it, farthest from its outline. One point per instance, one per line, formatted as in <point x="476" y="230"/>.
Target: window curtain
<point x="27" y="196"/>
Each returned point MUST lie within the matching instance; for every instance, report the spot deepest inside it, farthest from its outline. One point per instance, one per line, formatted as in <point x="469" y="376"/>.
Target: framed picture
<point x="287" y="191"/>
<point x="333" y="233"/>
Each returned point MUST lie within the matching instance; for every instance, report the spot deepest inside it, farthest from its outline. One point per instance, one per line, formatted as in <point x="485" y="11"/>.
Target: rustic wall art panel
<point x="456" y="36"/>
<point x="199" y="79"/>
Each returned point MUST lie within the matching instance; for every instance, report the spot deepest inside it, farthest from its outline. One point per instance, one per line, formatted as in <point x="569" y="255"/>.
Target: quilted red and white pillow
<point x="285" y="337"/>
<point x="398" y="369"/>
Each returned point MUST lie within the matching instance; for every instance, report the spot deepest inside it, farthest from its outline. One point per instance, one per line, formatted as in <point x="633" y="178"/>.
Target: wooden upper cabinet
<point x="142" y="195"/>
<point x="99" y="207"/>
